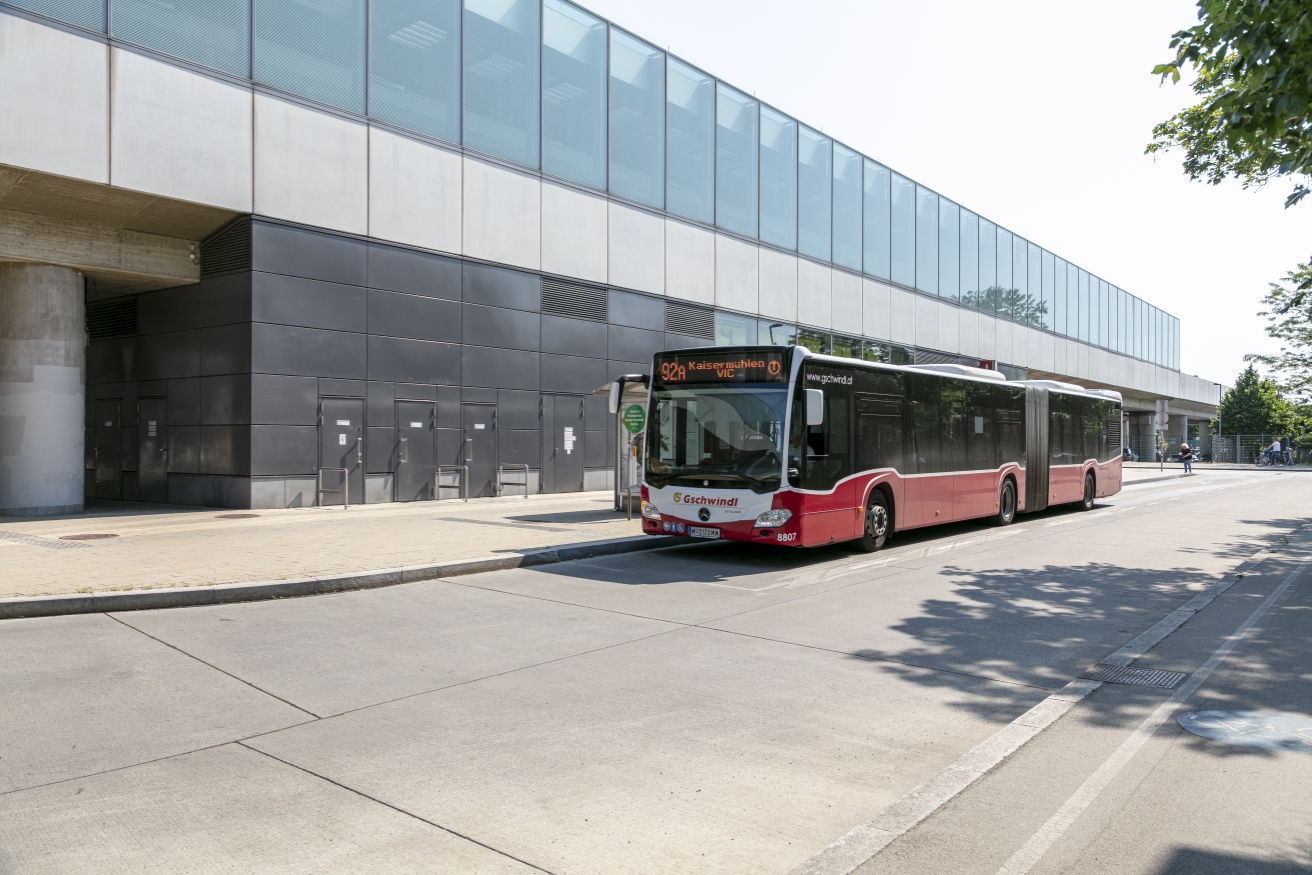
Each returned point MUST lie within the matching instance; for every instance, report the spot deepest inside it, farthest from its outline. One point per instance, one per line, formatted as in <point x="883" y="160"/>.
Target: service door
<point x="562" y="417"/>
<point x="414" y="450"/>
<point x="480" y="450"/>
<point x="107" y="453"/>
<point x="152" y="450"/>
<point x="341" y="433"/>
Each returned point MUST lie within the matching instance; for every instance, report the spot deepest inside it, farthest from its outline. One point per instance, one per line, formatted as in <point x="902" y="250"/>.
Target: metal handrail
<point x="501" y="485"/>
<point x="345" y="491"/>
<point x="437" y="481"/>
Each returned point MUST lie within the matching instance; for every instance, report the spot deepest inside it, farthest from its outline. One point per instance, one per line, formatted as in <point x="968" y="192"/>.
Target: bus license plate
<point x="703" y="532"/>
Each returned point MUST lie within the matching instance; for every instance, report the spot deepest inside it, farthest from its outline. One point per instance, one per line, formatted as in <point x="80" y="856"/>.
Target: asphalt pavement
<point x="713" y="708"/>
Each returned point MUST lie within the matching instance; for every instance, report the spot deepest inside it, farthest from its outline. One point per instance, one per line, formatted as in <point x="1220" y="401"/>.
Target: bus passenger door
<point x="878" y="443"/>
<point x="827" y="470"/>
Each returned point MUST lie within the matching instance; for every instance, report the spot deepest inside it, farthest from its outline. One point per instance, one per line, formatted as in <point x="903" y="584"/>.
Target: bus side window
<point x="981" y="437"/>
<point x="828" y="456"/>
<point x="879" y="432"/>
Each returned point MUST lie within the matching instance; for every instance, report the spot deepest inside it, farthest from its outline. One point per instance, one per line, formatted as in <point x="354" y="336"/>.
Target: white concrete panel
<point x="42" y="465"/>
<point x="927" y="323"/>
<point x="876" y="318"/>
<point x="637" y="249"/>
<point x="735" y="274"/>
<point x="846" y="302"/>
<point x="311" y="167"/>
<point x="1073" y="357"/>
<point x="1035" y="338"/>
<point x="574" y="228"/>
<point x="1082" y="362"/>
<point x="414" y="192"/>
<point x="1003" y="352"/>
<point x="987" y="334"/>
<point x="968" y="332"/>
<point x="503" y="215"/>
<point x="777" y="284"/>
<point x="54" y="101"/>
<point x="1059" y="355"/>
<point x="903" y="322"/>
<point x="689" y="262"/>
<point x="814" y="293"/>
<point x="180" y="135"/>
<point x="948" y="327"/>
<point x="1020" y="350"/>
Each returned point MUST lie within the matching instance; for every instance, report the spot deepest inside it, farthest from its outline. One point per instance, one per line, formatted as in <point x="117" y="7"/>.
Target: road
<point x="709" y="709"/>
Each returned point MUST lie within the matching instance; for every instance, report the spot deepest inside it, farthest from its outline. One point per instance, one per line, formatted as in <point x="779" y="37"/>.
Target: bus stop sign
<point x="634" y="417"/>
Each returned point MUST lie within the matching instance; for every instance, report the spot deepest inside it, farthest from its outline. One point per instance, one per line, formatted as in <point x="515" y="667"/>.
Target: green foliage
<point x="1008" y="302"/>
<point x="1289" y="310"/>
<point x="1255" y="406"/>
<point x="1254" y="118"/>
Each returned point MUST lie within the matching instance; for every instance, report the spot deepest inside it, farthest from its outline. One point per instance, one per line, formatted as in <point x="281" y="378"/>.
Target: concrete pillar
<point x="42" y="389"/>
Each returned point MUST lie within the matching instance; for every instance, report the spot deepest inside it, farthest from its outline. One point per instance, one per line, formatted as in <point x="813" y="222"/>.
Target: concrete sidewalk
<point x="122" y="546"/>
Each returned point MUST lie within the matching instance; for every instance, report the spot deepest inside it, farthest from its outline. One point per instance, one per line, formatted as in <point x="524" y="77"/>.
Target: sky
<point x="1033" y="114"/>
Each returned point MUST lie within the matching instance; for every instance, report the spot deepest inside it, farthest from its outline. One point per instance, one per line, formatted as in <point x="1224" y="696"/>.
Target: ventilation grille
<point x="929" y="357"/>
<point x="116" y="317"/>
<point x="228" y="251"/>
<point x="692" y="321"/>
<point x="560" y="298"/>
<point x="1114" y="429"/>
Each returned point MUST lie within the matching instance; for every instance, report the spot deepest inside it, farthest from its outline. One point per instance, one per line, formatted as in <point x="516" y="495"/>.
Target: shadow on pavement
<point x="1191" y="861"/>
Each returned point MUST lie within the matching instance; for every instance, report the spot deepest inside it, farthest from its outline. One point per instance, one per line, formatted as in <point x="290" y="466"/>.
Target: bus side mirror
<point x="815" y="407"/>
<point x="614" y="403"/>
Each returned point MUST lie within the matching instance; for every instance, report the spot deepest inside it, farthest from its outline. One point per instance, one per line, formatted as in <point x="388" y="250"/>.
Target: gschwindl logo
<point x="681" y="498"/>
<point x="677" y="496"/>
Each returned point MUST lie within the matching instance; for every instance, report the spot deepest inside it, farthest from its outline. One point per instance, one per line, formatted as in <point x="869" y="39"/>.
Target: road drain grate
<point x="1116" y="674"/>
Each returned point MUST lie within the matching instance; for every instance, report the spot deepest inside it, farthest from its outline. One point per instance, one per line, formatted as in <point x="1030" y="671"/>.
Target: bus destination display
<point x="723" y="366"/>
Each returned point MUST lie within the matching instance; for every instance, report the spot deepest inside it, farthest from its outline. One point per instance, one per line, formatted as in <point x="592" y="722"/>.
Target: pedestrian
<point x="1187" y="456"/>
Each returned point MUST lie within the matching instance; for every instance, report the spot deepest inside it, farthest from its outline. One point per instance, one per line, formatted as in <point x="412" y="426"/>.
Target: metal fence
<point x="1245" y="449"/>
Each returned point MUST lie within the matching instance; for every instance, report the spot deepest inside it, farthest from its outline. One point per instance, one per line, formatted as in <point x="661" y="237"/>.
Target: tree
<point x="1289" y="310"/>
<point x="1255" y="406"/>
<point x="1254" y="64"/>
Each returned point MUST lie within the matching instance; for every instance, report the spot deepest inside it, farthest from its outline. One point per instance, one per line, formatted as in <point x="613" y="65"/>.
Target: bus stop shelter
<point x="628" y="404"/>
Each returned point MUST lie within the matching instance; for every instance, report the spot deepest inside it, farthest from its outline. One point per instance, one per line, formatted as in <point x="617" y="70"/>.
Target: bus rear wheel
<point x="875" y="533"/>
<point x="1086" y="503"/>
<point x="1006" y="514"/>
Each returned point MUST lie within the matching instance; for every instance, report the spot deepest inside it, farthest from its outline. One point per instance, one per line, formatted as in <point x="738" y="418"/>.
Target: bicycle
<point x="1270" y="460"/>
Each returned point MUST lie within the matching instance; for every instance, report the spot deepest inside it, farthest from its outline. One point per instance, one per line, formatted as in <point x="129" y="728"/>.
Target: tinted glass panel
<point x="414" y="65"/>
<point x="734" y="330"/>
<point x="904" y="231"/>
<point x="776" y="333"/>
<point x="988" y="265"/>
<point x="1018" y="304"/>
<point x="314" y="50"/>
<point x="1083" y="306"/>
<point x="969" y="284"/>
<point x="1003" y="295"/>
<point x="502" y="91"/>
<point x="816" y="341"/>
<point x="813" y="193"/>
<point x="1040" y="306"/>
<point x="778" y="179"/>
<point x="876" y="232"/>
<point x="637" y="120"/>
<point x="926" y="240"/>
<point x="949" y="249"/>
<point x="847" y="347"/>
<point x="216" y="33"/>
<point x="84" y="13"/>
<point x="736" y="149"/>
<point x="1072" y="301"/>
<point x="573" y="94"/>
<point x="847" y="207"/>
<point x="690" y="142"/>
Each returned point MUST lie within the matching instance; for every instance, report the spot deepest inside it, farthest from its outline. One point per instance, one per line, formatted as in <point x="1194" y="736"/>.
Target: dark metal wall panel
<point x="283" y="449"/>
<point x="684" y="341"/>
<point x="416" y="392"/>
<point x="400" y="360"/>
<point x="167" y="356"/>
<point x="380" y="404"/>
<point x="225" y="349"/>
<point x="634" y="342"/>
<point x="450" y="445"/>
<point x="499" y="327"/>
<point x="284" y="400"/>
<point x="400" y="315"/>
<point x="448" y="407"/>
<point x="225" y="400"/>
<point x="518" y="409"/>
<point x="283" y="349"/>
<point x="573" y="337"/>
<point x="562" y="373"/>
<point x="184" y="401"/>
<point x="310" y="254"/>
<point x="636" y="311"/>
<point x="415" y="273"/>
<point x="108" y="361"/>
<point x="596" y="445"/>
<point x="502" y="368"/>
<point x="184" y="448"/>
<point x="221" y="300"/>
<point x="478" y="395"/>
<point x="225" y="449"/>
<point x="290" y="300"/>
<point x="596" y="414"/>
<point x="343" y="388"/>
<point x="500" y="287"/>
<point x="380" y="450"/>
<point x="519" y="447"/>
<point x="617" y="368"/>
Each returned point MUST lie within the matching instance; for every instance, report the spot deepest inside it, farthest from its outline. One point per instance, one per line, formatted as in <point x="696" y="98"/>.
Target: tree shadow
<point x="1195" y="861"/>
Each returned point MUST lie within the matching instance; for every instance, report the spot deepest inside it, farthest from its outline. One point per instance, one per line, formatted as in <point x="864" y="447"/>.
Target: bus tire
<point x="1006" y="514"/>
<point x="1086" y="503"/>
<point x="878" y="522"/>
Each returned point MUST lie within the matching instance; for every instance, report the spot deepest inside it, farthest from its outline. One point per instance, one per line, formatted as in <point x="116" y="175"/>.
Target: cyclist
<point x="1275" y="452"/>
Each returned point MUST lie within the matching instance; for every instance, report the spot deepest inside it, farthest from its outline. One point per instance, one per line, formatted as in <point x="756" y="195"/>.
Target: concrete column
<point x="42" y="389"/>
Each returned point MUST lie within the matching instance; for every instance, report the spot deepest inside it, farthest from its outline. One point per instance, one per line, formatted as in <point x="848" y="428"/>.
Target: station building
<point x="240" y="243"/>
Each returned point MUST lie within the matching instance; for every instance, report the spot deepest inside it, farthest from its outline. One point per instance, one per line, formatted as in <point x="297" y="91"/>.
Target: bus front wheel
<point x="875" y="533"/>
<point x="1086" y="503"/>
<point x="1006" y="514"/>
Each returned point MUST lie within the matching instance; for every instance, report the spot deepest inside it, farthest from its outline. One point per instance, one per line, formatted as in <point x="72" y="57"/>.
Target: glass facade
<point x="637" y="125"/>
<point x="548" y="86"/>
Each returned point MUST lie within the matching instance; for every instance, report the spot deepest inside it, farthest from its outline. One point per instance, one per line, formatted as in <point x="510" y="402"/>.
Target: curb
<point x="1139" y="480"/>
<point x="228" y="593"/>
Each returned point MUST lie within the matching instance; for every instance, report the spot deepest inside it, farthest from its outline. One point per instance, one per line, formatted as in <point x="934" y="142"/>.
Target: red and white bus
<point x="780" y="445"/>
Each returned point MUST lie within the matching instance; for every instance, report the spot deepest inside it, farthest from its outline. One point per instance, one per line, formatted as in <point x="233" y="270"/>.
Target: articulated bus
<point x="780" y="445"/>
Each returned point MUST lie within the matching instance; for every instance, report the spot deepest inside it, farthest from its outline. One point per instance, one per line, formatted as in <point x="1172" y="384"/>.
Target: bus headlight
<point x="773" y="519"/>
<point x="650" y="512"/>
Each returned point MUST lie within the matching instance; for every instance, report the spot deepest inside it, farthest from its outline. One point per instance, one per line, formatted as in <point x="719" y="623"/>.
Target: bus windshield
<point x="716" y="435"/>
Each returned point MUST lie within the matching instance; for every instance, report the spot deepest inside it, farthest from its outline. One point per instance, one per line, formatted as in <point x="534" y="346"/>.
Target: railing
<point x="463" y="471"/>
<point x="501" y="484"/>
<point x="344" y="492"/>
